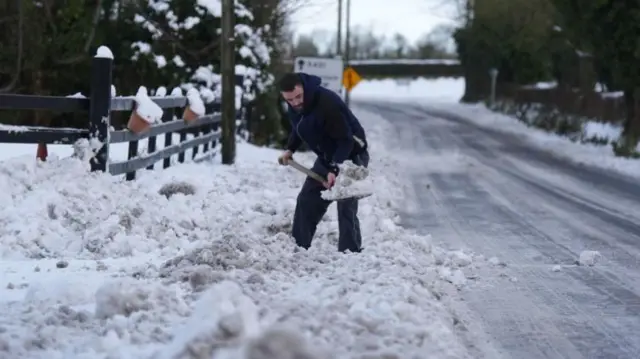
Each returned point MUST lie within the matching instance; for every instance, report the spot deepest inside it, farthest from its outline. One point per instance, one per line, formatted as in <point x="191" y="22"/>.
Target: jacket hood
<point x="310" y="85"/>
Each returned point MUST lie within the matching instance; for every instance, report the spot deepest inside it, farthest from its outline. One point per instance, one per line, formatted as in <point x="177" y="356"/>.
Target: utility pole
<point x="347" y="50"/>
<point x="339" y="37"/>
<point x="228" y="105"/>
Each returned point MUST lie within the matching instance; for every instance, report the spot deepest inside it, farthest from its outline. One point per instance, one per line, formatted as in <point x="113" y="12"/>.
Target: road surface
<point x="499" y="196"/>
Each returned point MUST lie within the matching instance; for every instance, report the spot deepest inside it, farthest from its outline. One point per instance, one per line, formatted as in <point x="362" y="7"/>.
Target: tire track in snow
<point x="497" y="206"/>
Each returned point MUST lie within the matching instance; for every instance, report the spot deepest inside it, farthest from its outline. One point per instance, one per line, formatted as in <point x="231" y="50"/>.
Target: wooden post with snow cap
<point x="100" y="108"/>
<point x="227" y="63"/>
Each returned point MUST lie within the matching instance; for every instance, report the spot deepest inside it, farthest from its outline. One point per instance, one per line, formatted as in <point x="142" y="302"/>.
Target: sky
<point x="412" y="18"/>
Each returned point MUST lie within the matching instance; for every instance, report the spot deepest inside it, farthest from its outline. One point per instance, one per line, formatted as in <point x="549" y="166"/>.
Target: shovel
<point x="340" y="195"/>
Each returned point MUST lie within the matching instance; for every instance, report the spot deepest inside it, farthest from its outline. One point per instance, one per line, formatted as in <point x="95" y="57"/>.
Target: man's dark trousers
<point x="311" y="207"/>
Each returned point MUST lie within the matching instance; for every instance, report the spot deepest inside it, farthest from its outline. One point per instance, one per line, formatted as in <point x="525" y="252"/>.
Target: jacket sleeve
<point x="336" y="127"/>
<point x="294" y="141"/>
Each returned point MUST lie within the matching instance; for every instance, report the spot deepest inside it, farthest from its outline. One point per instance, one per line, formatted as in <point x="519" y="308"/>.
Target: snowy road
<point x="498" y="195"/>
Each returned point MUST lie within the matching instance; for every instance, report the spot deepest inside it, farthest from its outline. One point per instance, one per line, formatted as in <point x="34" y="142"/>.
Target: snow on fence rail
<point x="100" y="135"/>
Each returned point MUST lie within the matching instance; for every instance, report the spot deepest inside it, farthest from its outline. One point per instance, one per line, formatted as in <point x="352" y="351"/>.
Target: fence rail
<point x="99" y="107"/>
<point x="32" y="134"/>
<point x="34" y="102"/>
<point x="129" y="102"/>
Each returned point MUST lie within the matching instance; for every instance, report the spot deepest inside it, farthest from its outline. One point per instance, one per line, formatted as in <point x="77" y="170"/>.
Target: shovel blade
<point x="343" y="196"/>
<point x="355" y="196"/>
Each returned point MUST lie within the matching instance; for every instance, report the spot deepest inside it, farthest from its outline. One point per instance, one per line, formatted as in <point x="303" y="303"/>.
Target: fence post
<point x="494" y="76"/>
<point x="100" y="108"/>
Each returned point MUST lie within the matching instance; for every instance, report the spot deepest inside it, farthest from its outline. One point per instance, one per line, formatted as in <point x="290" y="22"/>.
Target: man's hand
<point x="331" y="180"/>
<point x="285" y="157"/>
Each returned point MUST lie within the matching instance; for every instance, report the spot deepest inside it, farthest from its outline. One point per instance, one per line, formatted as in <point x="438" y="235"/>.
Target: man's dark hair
<point x="289" y="81"/>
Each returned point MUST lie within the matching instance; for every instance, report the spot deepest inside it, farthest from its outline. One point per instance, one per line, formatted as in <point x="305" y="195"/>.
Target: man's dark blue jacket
<point x="325" y="124"/>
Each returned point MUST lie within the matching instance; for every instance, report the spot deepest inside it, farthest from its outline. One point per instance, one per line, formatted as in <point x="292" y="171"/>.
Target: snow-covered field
<point x="95" y="267"/>
<point x="443" y="94"/>
<point x="448" y="90"/>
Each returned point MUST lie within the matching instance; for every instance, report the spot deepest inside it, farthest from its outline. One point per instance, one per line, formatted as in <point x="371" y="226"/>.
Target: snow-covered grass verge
<point x="581" y="152"/>
<point x="576" y="128"/>
<point x="197" y="260"/>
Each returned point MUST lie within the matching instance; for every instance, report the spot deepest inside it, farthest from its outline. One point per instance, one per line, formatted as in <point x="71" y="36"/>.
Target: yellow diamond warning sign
<point x="350" y="78"/>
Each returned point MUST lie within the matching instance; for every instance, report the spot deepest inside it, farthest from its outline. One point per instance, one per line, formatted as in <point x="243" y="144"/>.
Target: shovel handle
<point x="306" y="171"/>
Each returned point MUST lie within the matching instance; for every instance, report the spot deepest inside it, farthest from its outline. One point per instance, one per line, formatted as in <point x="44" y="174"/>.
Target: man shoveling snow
<point x="323" y="121"/>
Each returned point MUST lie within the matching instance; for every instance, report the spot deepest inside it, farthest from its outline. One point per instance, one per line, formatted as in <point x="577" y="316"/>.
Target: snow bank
<point x="602" y="132"/>
<point x="211" y="267"/>
<point x="588" y="153"/>
<point x="57" y="209"/>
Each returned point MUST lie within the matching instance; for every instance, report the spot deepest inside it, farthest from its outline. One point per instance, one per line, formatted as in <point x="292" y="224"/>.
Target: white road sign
<point x="328" y="69"/>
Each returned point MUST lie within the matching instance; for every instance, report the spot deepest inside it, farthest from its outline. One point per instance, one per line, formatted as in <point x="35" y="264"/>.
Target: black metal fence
<point x="204" y="130"/>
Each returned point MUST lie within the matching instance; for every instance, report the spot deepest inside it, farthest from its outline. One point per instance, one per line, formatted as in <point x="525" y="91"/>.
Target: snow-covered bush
<point x="179" y="45"/>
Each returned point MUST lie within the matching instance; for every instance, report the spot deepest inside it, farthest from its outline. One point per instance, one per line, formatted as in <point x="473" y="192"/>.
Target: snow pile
<point x="198" y="258"/>
<point x="589" y="258"/>
<point x="57" y="209"/>
<point x="125" y="296"/>
<point x="55" y="318"/>
<point x="225" y="322"/>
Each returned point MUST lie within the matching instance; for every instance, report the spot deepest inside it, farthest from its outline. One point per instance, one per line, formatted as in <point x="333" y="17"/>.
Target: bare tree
<point x="305" y="46"/>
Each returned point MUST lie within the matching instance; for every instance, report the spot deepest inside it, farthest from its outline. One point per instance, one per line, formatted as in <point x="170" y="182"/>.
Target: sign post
<point x="328" y="69"/>
<point x="350" y="78"/>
